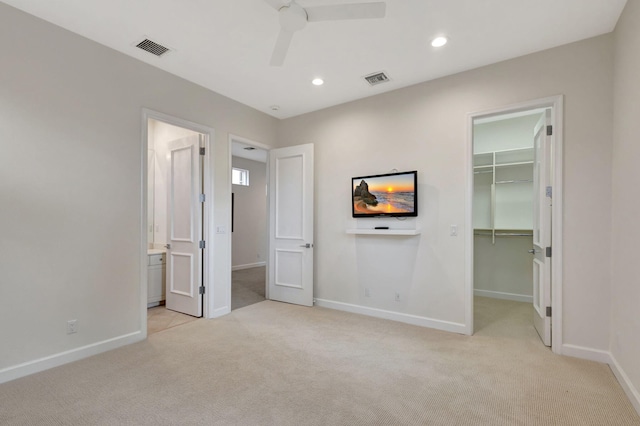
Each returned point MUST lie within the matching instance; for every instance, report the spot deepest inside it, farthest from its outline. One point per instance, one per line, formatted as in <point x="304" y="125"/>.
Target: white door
<point x="184" y="228"/>
<point x="542" y="187"/>
<point x="291" y="224"/>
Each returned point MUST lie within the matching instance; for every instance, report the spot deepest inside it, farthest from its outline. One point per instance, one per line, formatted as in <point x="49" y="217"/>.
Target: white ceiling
<point x="239" y="149"/>
<point x="226" y="45"/>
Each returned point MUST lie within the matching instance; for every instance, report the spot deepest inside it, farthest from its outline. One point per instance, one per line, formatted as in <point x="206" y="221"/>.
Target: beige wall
<point x="625" y="307"/>
<point x="70" y="184"/>
<point x="424" y="127"/>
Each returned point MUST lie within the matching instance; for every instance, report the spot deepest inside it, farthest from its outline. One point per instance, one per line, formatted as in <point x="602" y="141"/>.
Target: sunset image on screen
<point x="384" y="194"/>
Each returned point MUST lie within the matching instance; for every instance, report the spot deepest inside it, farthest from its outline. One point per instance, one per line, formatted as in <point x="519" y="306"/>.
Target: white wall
<point x="625" y="307"/>
<point x="71" y="186"/>
<point x="510" y="133"/>
<point x="424" y="127"/>
<point x="249" y="238"/>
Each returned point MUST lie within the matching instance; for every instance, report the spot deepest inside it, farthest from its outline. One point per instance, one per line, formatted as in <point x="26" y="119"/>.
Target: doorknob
<point x="167" y="246"/>
<point x="532" y="251"/>
<point x="306" y="245"/>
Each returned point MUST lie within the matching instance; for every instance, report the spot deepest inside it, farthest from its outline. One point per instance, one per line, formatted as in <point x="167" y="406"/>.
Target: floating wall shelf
<point x="405" y="232"/>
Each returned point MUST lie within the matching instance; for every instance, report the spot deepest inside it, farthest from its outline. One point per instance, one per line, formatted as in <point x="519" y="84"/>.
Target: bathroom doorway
<point x="177" y="222"/>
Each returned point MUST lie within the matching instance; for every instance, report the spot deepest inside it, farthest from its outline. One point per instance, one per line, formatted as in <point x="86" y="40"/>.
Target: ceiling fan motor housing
<point x="292" y="17"/>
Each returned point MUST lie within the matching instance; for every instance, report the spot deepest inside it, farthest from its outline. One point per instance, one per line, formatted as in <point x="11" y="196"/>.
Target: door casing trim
<point x="556" y="103"/>
<point x="208" y="209"/>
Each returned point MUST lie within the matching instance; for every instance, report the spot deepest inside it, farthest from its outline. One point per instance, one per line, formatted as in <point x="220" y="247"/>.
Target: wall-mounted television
<point x="391" y="194"/>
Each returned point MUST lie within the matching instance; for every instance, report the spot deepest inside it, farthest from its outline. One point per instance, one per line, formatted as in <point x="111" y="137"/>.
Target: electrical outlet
<point x="397" y="296"/>
<point x="367" y="293"/>
<point x="72" y="326"/>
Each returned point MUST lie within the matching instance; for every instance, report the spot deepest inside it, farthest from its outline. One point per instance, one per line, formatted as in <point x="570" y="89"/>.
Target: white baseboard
<point x="248" y="266"/>
<point x="503" y="296"/>
<point x="35" y="366"/>
<point x="632" y="393"/>
<point x="220" y="312"/>
<point x="590" y="354"/>
<point x="395" y="316"/>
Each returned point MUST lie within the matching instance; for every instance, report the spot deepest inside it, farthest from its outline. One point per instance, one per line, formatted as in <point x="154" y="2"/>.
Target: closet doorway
<point x="512" y="174"/>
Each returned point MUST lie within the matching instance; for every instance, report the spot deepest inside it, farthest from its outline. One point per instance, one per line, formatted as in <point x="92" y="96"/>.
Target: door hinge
<point x="202" y="244"/>
<point x="549" y="130"/>
<point x="548" y="252"/>
<point x="201" y="150"/>
<point x="549" y="192"/>
<point x="201" y="289"/>
<point x="202" y="198"/>
<point x="549" y="311"/>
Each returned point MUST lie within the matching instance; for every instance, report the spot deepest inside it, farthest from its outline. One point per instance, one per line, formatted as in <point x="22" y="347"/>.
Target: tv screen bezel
<point x="414" y="213"/>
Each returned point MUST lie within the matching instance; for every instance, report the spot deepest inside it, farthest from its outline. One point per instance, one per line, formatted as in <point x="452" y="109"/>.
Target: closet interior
<point x="503" y="161"/>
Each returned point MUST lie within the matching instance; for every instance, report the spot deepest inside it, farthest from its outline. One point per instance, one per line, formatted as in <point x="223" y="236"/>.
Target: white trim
<point x="221" y="312"/>
<point x="468" y="235"/>
<point x="590" y="354"/>
<point x="503" y="296"/>
<point x="394" y="316"/>
<point x="41" y="364"/>
<point x="248" y="266"/>
<point x="208" y="212"/>
<point x="556" y="103"/>
<point x="632" y="393"/>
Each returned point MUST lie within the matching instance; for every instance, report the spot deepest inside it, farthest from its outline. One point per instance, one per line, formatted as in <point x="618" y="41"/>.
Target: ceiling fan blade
<point x="276" y="4"/>
<point x="281" y="48"/>
<point x="338" y="12"/>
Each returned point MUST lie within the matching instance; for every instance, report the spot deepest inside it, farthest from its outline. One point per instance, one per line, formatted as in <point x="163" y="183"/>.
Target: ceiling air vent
<point x="377" y="78"/>
<point x="152" y="47"/>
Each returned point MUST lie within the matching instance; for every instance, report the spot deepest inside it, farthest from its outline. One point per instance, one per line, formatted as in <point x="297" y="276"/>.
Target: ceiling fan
<point x="294" y="17"/>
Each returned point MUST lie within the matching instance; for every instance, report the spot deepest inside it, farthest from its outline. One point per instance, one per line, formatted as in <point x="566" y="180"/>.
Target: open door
<point x="291" y="225"/>
<point x="184" y="215"/>
<point x="542" y="187"/>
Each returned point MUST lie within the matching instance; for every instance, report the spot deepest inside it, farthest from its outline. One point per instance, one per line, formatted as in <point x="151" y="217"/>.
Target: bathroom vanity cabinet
<point x="156" y="278"/>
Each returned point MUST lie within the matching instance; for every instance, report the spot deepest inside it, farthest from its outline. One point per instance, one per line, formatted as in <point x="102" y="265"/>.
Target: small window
<point x="240" y="176"/>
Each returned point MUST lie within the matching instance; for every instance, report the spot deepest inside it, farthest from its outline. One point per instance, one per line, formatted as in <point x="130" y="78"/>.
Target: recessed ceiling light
<point x="317" y="82"/>
<point x="439" y="41"/>
<point x="274" y="107"/>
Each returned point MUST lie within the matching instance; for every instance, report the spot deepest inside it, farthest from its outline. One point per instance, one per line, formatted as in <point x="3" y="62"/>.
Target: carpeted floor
<point x="247" y="287"/>
<point x="278" y="364"/>
<point x="160" y="318"/>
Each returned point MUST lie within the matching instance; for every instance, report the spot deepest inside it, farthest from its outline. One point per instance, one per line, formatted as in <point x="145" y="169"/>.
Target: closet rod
<point x="503" y="234"/>
<point x="514" y="181"/>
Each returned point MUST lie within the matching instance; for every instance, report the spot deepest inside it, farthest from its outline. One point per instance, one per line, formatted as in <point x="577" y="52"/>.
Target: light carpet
<point x="160" y="318"/>
<point x="277" y="364"/>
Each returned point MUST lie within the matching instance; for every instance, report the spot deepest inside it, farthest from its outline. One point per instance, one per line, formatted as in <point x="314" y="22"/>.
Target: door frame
<point x="208" y="210"/>
<point x="250" y="142"/>
<point x="556" y="105"/>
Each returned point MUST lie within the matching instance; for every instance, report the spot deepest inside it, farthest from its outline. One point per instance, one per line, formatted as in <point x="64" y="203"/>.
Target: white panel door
<point x="184" y="228"/>
<point x="291" y="224"/>
<point x="542" y="229"/>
